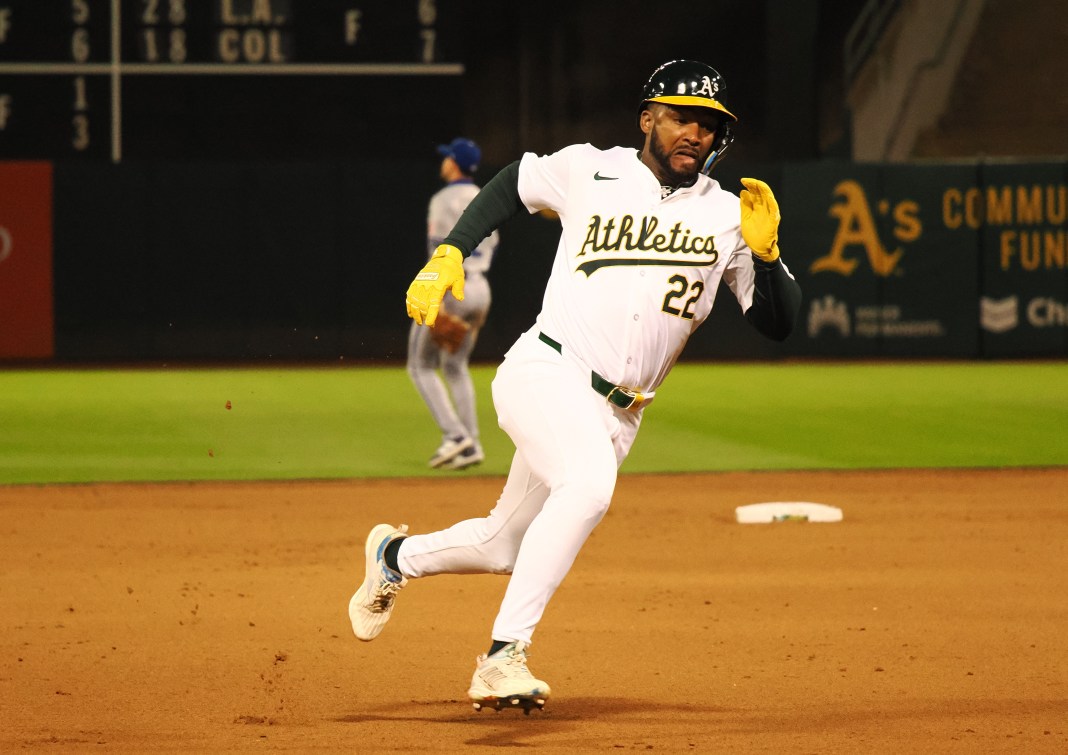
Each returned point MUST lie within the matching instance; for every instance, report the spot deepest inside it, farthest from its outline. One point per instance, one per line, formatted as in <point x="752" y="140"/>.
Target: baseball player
<point x="449" y="343"/>
<point x="647" y="238"/>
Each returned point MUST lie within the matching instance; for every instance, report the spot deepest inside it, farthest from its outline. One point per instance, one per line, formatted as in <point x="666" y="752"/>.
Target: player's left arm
<point x="776" y="295"/>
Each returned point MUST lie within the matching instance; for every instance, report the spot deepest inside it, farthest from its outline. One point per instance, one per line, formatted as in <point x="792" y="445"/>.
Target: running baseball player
<point x="647" y="239"/>
<point x="448" y="344"/>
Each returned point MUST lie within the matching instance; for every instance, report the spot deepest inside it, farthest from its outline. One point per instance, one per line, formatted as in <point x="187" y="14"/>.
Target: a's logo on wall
<point x="999" y="315"/>
<point x="857" y="228"/>
<point x="828" y="312"/>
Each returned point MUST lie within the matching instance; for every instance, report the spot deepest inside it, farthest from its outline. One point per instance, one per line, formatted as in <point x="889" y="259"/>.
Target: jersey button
<point x="635" y="317"/>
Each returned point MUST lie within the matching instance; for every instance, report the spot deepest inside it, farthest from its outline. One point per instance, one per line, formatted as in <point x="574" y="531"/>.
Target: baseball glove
<point x="449" y="331"/>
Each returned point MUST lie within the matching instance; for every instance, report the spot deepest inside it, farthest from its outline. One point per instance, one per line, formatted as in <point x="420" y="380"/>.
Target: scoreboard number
<point x="87" y="79"/>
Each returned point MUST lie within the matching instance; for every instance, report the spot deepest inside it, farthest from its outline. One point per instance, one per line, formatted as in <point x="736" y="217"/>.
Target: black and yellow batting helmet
<point x="689" y="83"/>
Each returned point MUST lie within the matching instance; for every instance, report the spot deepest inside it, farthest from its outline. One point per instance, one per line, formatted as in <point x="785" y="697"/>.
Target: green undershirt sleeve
<point x="776" y="300"/>
<point x="497" y="202"/>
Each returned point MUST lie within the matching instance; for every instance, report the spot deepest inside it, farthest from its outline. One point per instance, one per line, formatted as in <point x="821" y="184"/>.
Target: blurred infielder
<point x="448" y="345"/>
<point x="647" y="238"/>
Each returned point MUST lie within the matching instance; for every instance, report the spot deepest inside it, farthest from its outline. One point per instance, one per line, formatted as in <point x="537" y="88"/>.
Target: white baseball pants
<point x="569" y="444"/>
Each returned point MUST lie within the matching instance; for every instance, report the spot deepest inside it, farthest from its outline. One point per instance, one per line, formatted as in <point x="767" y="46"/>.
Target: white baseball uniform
<point x="425" y="357"/>
<point x="636" y="271"/>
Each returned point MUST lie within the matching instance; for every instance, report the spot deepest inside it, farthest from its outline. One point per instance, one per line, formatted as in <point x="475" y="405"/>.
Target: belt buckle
<point x="636" y="399"/>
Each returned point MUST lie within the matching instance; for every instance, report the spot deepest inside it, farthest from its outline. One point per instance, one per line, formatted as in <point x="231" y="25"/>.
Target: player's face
<point x="678" y="139"/>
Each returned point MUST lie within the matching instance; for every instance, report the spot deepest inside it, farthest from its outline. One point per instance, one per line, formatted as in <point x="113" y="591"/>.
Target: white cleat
<point x="449" y="450"/>
<point x="465" y="459"/>
<point x="503" y="680"/>
<point x="371" y="606"/>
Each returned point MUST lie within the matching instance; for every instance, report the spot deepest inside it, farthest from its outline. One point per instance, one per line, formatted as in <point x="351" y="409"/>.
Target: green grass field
<point x="86" y="425"/>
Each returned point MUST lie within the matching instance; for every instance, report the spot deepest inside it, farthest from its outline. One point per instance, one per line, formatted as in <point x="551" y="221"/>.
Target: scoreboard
<point x="134" y="80"/>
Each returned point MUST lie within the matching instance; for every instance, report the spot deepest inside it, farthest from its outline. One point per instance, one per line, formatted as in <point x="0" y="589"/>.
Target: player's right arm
<point x="533" y="183"/>
<point x="544" y="181"/>
<point x="497" y="202"/>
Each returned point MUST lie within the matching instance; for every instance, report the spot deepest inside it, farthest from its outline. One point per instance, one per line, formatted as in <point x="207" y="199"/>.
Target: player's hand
<point x="760" y="219"/>
<point x="444" y="272"/>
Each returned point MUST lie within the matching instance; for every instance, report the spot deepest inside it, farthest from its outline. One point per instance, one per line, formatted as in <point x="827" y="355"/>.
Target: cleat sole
<point x="527" y="704"/>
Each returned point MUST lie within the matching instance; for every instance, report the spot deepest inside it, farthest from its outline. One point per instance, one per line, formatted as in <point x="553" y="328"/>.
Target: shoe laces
<point x="385" y="593"/>
<point x="515" y="661"/>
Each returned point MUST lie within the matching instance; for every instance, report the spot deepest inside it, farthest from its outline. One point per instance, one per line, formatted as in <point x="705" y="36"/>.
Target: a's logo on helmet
<point x="708" y="88"/>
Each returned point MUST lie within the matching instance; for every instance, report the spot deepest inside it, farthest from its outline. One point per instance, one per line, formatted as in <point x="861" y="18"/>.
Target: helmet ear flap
<point x="724" y="137"/>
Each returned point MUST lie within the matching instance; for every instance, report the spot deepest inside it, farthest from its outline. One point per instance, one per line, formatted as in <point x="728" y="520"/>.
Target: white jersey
<point x="446" y="207"/>
<point x="635" y="273"/>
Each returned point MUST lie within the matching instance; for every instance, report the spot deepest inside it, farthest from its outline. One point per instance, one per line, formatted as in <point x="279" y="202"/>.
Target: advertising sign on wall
<point x="1022" y="213"/>
<point x="880" y="272"/>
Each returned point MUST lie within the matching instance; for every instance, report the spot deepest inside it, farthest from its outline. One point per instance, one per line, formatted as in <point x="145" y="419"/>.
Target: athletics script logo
<point x="607" y="238"/>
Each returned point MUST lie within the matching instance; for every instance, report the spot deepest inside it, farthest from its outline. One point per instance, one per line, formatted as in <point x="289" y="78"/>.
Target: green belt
<point x="622" y="397"/>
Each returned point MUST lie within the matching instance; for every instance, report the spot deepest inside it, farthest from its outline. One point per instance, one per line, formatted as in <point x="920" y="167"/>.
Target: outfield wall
<point x="309" y="261"/>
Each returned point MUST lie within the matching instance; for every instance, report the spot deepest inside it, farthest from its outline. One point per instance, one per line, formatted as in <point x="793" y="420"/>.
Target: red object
<point x="27" y="325"/>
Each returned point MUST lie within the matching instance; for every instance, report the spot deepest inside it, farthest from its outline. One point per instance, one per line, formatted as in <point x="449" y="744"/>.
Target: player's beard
<point x="671" y="176"/>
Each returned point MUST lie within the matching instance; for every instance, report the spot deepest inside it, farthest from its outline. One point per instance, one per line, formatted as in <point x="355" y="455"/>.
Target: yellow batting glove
<point x="760" y="219"/>
<point x="444" y="272"/>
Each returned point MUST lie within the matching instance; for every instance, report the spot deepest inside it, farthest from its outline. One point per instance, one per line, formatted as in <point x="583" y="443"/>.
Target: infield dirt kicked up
<point x="212" y="617"/>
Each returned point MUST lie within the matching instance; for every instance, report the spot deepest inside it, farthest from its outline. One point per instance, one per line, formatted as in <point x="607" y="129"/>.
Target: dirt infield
<point x="210" y="617"/>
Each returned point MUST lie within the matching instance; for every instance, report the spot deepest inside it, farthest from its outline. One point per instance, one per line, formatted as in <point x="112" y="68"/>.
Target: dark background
<point x="536" y="76"/>
<point x="543" y="75"/>
<point x="283" y="216"/>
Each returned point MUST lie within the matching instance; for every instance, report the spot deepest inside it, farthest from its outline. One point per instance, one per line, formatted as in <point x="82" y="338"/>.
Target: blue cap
<point x="464" y="151"/>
